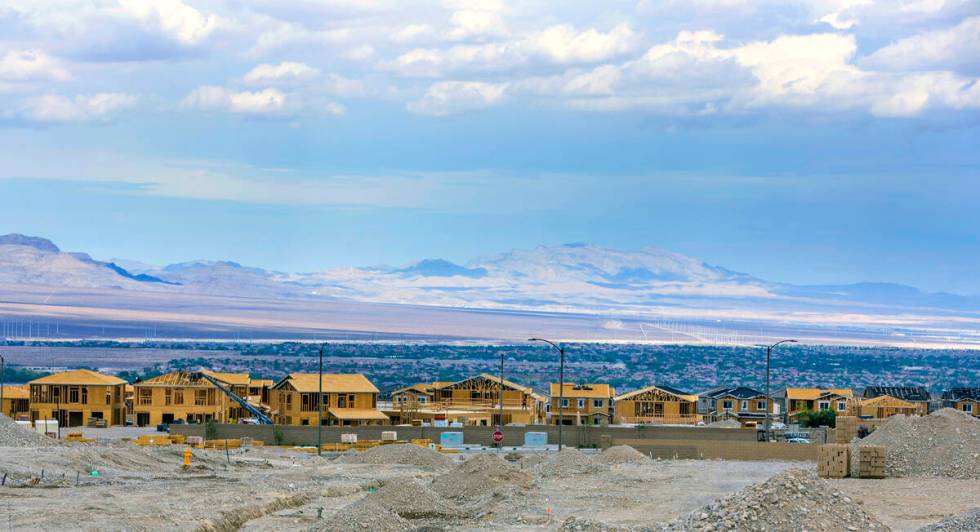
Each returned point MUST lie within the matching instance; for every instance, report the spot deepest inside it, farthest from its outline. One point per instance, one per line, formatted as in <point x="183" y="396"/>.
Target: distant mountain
<point x="38" y="243"/>
<point x="571" y="277"/>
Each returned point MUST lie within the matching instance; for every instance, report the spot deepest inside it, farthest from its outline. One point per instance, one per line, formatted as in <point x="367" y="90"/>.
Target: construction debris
<point x="478" y="478"/>
<point x="793" y="500"/>
<point x="361" y="516"/>
<point x="568" y="461"/>
<point x="964" y="522"/>
<point x="725" y="424"/>
<point x="14" y="435"/>
<point x="621" y="454"/>
<point x="398" y="453"/>
<point x="411" y="499"/>
<point x="945" y="443"/>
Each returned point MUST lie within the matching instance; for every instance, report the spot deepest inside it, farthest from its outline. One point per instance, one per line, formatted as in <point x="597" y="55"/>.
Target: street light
<point x="768" y="367"/>
<point x="500" y="399"/>
<point x="3" y="374"/>
<point x="319" y="410"/>
<point x="561" y="382"/>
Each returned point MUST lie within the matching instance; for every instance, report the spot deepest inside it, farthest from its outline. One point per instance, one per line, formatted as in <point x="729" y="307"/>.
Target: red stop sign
<point x="498" y="436"/>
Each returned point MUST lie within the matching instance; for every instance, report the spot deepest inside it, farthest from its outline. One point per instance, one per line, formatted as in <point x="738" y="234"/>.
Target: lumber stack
<point x="871" y="461"/>
<point x="833" y="460"/>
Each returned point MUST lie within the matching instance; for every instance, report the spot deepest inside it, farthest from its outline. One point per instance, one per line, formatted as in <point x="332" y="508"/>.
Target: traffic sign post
<point x="497" y="436"/>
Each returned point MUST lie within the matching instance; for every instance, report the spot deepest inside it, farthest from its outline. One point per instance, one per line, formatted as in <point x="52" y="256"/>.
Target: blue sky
<point x="807" y="142"/>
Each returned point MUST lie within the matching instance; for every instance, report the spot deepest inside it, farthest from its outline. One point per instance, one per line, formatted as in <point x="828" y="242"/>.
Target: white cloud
<point x="55" y="108"/>
<point x="950" y="48"/>
<point x="345" y="87"/>
<point x="562" y="44"/>
<point x="286" y="70"/>
<point x="27" y="65"/>
<point x="186" y="24"/>
<point x="360" y="53"/>
<point x="411" y="33"/>
<point x="210" y="97"/>
<point x="469" y="23"/>
<point x="451" y="97"/>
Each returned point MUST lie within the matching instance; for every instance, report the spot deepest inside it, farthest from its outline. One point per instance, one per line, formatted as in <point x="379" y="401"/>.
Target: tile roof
<point x="809" y="394"/>
<point x="958" y="394"/>
<point x="740" y="392"/>
<point x="583" y="390"/>
<point x="906" y="393"/>
<point x="80" y="377"/>
<point x="332" y="383"/>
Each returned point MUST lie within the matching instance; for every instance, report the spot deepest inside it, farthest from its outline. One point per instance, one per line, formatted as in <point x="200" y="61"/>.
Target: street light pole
<point x="500" y="400"/>
<point x="3" y="374"/>
<point x="319" y="410"/>
<point x="768" y="395"/>
<point x="561" y="382"/>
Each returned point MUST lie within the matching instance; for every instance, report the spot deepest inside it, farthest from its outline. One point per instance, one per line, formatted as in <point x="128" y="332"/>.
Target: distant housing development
<point x="80" y="397"/>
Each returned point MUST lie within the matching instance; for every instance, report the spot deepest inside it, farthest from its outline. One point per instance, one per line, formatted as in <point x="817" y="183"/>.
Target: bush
<point x="811" y="419"/>
<point x="211" y="430"/>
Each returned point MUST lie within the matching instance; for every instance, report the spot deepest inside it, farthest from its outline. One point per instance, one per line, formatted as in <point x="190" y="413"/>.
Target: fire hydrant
<point x="187" y="457"/>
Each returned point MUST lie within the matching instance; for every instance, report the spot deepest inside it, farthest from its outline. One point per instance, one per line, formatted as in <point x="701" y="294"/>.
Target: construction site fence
<point x="724" y="450"/>
<point x="577" y="436"/>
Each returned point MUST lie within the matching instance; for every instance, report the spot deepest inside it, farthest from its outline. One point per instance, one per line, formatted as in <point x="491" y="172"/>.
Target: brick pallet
<point x="833" y="460"/>
<point x="871" y="461"/>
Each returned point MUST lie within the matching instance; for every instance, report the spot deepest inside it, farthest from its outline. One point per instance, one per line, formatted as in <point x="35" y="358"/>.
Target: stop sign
<point x="498" y="436"/>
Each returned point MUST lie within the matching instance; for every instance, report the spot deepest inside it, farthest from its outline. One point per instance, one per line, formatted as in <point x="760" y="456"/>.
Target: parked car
<point x="797" y="440"/>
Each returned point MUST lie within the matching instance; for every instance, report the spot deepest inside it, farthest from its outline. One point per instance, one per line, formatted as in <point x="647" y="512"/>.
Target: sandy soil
<point x="277" y="489"/>
<point x="906" y="504"/>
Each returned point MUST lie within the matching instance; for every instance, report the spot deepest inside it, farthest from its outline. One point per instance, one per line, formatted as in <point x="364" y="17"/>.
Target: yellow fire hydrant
<point x="187" y="457"/>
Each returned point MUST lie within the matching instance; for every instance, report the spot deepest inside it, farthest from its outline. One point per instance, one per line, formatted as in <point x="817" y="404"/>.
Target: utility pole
<point x="319" y="409"/>
<point x="3" y="375"/>
<point x="769" y="395"/>
<point x="561" y="383"/>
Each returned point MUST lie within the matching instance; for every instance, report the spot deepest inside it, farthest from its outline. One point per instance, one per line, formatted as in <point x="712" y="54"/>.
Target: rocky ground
<point x="403" y="487"/>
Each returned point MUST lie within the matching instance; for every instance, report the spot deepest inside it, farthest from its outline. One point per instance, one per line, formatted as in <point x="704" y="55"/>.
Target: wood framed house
<point x="797" y="400"/>
<point x="182" y="396"/>
<point x="746" y="405"/>
<point x="348" y="400"/>
<point x="471" y="401"/>
<point x="16" y="401"/>
<point x="883" y="406"/>
<point x="963" y="399"/>
<point x="657" y="405"/>
<point x="581" y="404"/>
<point x="73" y="397"/>
<point x="919" y="396"/>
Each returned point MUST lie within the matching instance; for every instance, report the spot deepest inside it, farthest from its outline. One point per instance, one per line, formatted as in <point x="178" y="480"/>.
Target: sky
<point x="798" y="141"/>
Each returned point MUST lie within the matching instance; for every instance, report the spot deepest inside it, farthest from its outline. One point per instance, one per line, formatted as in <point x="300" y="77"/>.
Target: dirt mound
<point x="945" y="443"/>
<point x="14" y="435"/>
<point x="479" y="477"/>
<point x="792" y="500"/>
<point x="568" y="461"/>
<point x="364" y="515"/>
<point x="402" y="453"/>
<point x="622" y="454"/>
<point x="725" y="424"/>
<point x="965" y="522"/>
<point x="411" y="499"/>
<point x="579" y="524"/>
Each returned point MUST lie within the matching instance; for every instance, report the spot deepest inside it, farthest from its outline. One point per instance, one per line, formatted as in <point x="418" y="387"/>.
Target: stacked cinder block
<point x="833" y="460"/>
<point x="871" y="461"/>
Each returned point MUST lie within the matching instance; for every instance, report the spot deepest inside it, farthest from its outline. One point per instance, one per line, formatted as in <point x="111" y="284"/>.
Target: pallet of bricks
<point x="871" y="461"/>
<point x="153" y="439"/>
<point x="230" y="443"/>
<point x="833" y="460"/>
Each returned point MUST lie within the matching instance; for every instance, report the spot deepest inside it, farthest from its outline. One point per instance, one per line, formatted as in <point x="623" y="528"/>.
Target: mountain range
<point x="568" y="278"/>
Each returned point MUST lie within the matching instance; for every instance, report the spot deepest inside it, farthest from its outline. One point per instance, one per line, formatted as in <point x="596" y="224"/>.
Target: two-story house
<point x="796" y="400"/>
<point x="73" y="397"/>
<point x="657" y="405"/>
<point x="182" y="396"/>
<point x="581" y="404"/>
<point x="746" y="405"/>
<point x="347" y="399"/>
<point x="919" y="396"/>
<point x="963" y="399"/>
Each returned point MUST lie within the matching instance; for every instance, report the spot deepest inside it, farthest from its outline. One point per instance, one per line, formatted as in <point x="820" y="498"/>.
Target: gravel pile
<point x="411" y="499"/>
<point x="945" y="443"/>
<point x="13" y="435"/>
<point x="568" y="461"/>
<point x="401" y="453"/>
<point x="579" y="524"/>
<point x="792" y="500"/>
<point x="479" y="477"/>
<point x="725" y="424"/>
<point x="361" y="516"/>
<point x="622" y="454"/>
<point x="964" y="522"/>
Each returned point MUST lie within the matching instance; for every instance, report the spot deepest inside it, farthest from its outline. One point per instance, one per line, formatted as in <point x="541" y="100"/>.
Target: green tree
<point x="824" y="417"/>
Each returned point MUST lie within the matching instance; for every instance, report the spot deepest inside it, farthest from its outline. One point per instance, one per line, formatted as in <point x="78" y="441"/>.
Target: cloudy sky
<point x="809" y="141"/>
